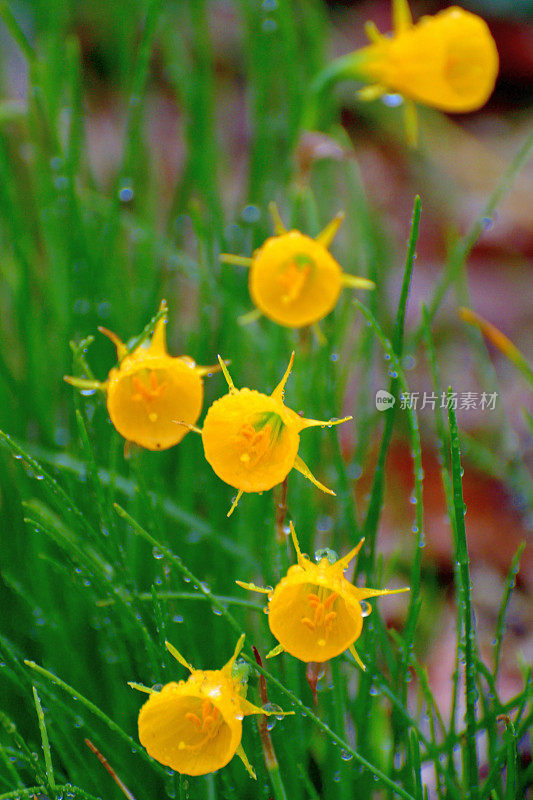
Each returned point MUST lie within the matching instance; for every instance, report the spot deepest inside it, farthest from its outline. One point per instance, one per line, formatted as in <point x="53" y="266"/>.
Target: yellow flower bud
<point x="294" y="280"/>
<point x="149" y="393"/>
<point x="448" y="61"/>
<point x="195" y="726"/>
<point x="314" y="612"/>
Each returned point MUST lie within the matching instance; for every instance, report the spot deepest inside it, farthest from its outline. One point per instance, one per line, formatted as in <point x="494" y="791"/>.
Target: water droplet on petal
<point x="366" y="608"/>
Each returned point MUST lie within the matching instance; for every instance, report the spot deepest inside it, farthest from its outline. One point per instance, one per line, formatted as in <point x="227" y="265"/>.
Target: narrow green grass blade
<point x="176" y="560"/>
<point x="20" y="794"/>
<point x="148" y="597"/>
<point x="11" y="23"/>
<point x="56" y="492"/>
<point x="111" y="724"/>
<point x="10" y="728"/>
<point x="416" y="449"/>
<point x="327" y="730"/>
<point x="414" y="753"/>
<point x="7" y="759"/>
<point x="500" y="623"/>
<point x="376" y="497"/>
<point x="50" y="780"/>
<point x="465" y="604"/>
<point x="127" y="487"/>
<point x="511" y="783"/>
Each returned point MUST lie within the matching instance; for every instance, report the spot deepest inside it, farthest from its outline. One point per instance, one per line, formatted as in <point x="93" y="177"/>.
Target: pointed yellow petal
<point x="209" y="370"/>
<point x="83" y="383"/>
<point x="354" y="654"/>
<point x="249" y="708"/>
<point x="296" y="543"/>
<point x="345" y="560"/>
<point x="226" y="374"/>
<point x="237" y="261"/>
<point x="372" y="32"/>
<point x="238" y="647"/>
<point x="158" y="342"/>
<point x="368" y="93"/>
<point x="251" y="316"/>
<point x="140" y="687"/>
<point x="363" y="593"/>
<point x="276" y="651"/>
<point x="279" y="227"/>
<point x="253" y="588"/>
<point x="235" y="502"/>
<point x="326" y="236"/>
<point x="411" y="123"/>
<point x="498" y="339"/>
<point x="177" y="655"/>
<point x="354" y="282"/>
<point x="402" y="18"/>
<point x="187" y="425"/>
<point x="242" y="755"/>
<point x="122" y="350"/>
<point x="306" y="472"/>
<point x="278" y="391"/>
<point x="316" y="423"/>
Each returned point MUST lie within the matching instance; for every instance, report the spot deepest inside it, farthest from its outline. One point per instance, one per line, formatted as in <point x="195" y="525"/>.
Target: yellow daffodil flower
<point x="448" y="61"/>
<point x="314" y="612"/>
<point x="294" y="280"/>
<point x="149" y="389"/>
<point x="195" y="726"/>
<point x="251" y="439"/>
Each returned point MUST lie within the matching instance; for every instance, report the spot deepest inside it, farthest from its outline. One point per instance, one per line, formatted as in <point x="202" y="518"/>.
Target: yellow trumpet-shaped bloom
<point x="195" y="726"/>
<point x="251" y="439"/>
<point x="314" y="612"/>
<point x="149" y="390"/>
<point x="294" y="280"/>
<point x="448" y="61"/>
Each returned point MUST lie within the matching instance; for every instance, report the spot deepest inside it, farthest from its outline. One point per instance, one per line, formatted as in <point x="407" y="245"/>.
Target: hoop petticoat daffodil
<point x="294" y="280"/>
<point x="148" y="389"/>
<point x="251" y="439"/>
<point x="314" y="611"/>
<point x="195" y="726"/>
<point x="448" y="61"/>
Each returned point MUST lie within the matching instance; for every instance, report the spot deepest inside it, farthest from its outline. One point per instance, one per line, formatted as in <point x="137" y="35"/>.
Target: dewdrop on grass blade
<point x="148" y="388"/>
<point x="251" y="439"/>
<point x="195" y="726"/>
<point x="294" y="280"/>
<point x="314" y="612"/>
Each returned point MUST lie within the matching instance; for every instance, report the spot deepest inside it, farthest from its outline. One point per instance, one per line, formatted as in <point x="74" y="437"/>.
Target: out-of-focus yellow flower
<point x="150" y="392"/>
<point x="195" y="726"/>
<point x="448" y="61"/>
<point x="251" y="439"/>
<point x="294" y="280"/>
<point x="314" y="612"/>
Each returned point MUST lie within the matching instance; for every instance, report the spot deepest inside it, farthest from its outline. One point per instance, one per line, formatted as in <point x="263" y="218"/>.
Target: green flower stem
<point x="463" y="573"/>
<point x="348" y="67"/>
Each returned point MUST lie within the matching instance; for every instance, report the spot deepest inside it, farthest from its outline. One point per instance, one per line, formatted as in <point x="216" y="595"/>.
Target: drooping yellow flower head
<point x="150" y="392"/>
<point x="314" y="612"/>
<point x="195" y="726"/>
<point x="294" y="280"/>
<point x="251" y="439"/>
<point x="448" y="61"/>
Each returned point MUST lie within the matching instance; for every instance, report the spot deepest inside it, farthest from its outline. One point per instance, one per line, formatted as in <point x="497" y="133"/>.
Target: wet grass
<point x="103" y="557"/>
